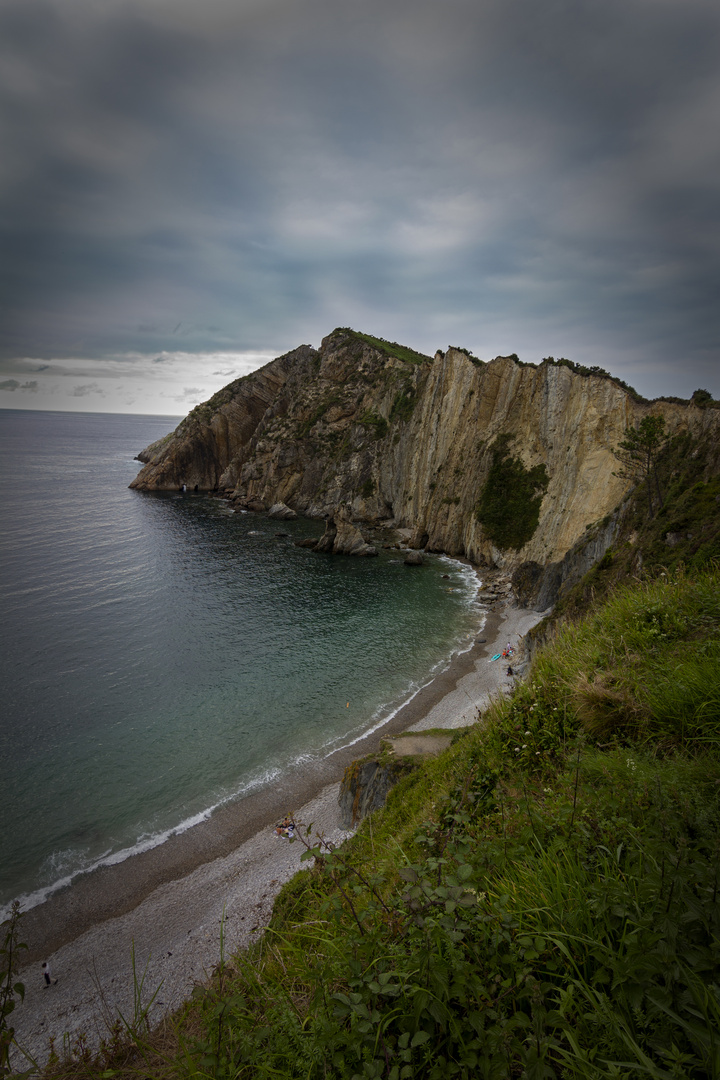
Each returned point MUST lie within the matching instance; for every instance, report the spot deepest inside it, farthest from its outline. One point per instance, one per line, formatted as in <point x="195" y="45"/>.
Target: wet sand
<point x="169" y="901"/>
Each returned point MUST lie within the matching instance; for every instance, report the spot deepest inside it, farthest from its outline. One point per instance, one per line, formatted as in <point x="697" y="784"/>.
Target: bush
<point x="509" y="506"/>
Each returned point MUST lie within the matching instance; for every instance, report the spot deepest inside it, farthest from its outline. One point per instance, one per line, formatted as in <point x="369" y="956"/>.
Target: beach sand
<point x="169" y="902"/>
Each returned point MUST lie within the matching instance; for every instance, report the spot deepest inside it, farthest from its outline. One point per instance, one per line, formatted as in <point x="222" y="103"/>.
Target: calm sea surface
<point x="161" y="654"/>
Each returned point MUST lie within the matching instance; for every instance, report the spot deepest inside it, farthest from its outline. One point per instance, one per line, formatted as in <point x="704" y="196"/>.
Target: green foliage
<point x="704" y="400"/>
<point x="367" y="488"/>
<point x="9" y="988"/>
<point x="644" y="665"/>
<point x="403" y="404"/>
<point x="685" y="531"/>
<point x="509" y="505"/>
<point x="390" y="348"/>
<point x="639" y="452"/>
<point x="375" y="423"/>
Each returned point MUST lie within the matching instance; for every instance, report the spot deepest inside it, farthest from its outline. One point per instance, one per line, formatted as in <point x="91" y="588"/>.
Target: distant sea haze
<point x="162" y="655"/>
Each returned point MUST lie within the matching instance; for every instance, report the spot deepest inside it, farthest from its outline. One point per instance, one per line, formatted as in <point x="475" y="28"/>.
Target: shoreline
<point x="169" y="900"/>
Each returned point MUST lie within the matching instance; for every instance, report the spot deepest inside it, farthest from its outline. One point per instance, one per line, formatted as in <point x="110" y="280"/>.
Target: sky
<point x="188" y="189"/>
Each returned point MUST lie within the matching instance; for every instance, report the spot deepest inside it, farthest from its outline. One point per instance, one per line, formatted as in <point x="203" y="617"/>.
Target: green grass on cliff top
<point x="392" y="348"/>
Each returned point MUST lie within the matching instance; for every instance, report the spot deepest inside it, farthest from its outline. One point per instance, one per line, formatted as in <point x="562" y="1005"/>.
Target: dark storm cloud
<point x="508" y="176"/>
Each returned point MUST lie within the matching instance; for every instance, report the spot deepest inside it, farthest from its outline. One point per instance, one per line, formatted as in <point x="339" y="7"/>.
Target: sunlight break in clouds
<point x="166" y="383"/>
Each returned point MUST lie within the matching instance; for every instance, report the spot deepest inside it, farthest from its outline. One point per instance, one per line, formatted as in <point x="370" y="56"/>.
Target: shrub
<point x="509" y="505"/>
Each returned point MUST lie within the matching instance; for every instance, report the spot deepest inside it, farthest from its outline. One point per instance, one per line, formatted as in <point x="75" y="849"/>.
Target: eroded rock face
<point x="341" y="537"/>
<point x="356" y="426"/>
<point x="207" y="448"/>
<point x="365" y="788"/>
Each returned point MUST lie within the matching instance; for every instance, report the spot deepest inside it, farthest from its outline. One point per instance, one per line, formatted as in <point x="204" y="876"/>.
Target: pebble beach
<point x="169" y="904"/>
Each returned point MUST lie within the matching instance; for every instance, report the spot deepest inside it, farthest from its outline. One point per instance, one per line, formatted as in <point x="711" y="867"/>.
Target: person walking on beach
<point x="46" y="973"/>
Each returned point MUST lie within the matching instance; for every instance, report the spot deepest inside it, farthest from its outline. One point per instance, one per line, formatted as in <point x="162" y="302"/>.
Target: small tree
<point x="702" y="398"/>
<point x="9" y="947"/>
<point x="639" y="452"/>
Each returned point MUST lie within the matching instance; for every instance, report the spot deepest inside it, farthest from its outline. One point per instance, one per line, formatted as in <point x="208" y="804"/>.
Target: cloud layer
<point x="240" y="177"/>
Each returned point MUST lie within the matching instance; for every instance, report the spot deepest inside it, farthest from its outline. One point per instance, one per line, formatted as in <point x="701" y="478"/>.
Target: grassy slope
<point x="540" y="901"/>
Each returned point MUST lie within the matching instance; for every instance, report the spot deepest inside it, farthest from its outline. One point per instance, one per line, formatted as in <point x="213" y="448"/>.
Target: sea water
<point x="162" y="654"/>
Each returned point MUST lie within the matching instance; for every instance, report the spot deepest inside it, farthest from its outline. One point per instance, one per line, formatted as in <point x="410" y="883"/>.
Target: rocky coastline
<point x="508" y="464"/>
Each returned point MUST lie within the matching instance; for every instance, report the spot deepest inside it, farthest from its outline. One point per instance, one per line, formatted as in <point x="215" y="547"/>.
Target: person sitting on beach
<point x="286" y="828"/>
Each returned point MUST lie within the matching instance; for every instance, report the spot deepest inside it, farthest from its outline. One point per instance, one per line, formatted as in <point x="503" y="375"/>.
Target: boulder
<point x="419" y="538"/>
<point x="308" y="542"/>
<point x="414" y="558"/>
<point x="281" y="512"/>
<point x="341" y="537"/>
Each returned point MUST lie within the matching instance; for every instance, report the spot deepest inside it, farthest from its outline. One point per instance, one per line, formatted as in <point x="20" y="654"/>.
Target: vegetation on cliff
<point x="509" y="505"/>
<point x="685" y="530"/>
<point x="390" y="348"/>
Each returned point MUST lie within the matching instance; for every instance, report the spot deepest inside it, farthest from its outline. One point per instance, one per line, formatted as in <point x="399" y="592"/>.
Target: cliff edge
<point x="502" y="462"/>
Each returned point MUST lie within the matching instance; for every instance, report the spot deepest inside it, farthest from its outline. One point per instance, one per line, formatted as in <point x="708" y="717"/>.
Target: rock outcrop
<point x="365" y="788"/>
<point x="281" y="512"/>
<point x="367" y="782"/>
<point x="390" y="435"/>
<point x="341" y="537"/>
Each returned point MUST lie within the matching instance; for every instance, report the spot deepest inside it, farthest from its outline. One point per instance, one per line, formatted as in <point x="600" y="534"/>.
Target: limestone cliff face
<point x="207" y="443"/>
<point x="388" y="434"/>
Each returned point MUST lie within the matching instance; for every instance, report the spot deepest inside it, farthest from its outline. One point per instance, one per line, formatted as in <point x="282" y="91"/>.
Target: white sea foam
<point x="380" y="717"/>
<point x="66" y="867"/>
<point x="145" y="842"/>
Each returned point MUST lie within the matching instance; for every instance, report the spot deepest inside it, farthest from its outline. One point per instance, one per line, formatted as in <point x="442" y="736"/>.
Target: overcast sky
<point x="191" y="187"/>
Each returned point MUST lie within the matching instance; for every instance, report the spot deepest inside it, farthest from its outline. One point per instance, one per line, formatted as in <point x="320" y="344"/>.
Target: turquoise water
<point x="162" y="654"/>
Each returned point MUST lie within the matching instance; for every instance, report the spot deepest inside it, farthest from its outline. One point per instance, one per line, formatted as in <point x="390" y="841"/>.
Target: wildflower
<point x="517" y="749"/>
<point x="524" y="746"/>
<point x="527" y="733"/>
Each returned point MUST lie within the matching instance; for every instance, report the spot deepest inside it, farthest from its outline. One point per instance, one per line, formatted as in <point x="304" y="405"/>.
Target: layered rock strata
<point x="390" y="436"/>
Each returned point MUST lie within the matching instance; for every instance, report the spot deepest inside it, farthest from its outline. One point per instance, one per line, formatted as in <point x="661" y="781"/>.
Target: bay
<point x="162" y="654"/>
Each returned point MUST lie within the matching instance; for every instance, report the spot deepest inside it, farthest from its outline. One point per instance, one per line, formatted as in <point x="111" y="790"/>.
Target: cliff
<point x="389" y="434"/>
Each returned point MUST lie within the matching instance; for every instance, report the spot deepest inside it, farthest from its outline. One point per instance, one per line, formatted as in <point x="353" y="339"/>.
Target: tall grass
<point x="645" y="664"/>
<point x="541" y="901"/>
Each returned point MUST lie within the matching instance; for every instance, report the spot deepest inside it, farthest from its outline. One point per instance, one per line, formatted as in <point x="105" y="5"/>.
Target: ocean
<point x="163" y="654"/>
